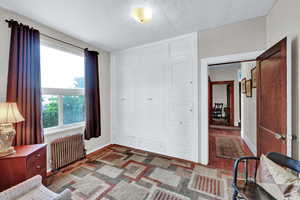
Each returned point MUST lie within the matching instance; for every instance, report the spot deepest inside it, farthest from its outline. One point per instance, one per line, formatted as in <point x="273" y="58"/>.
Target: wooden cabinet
<point x="28" y="161"/>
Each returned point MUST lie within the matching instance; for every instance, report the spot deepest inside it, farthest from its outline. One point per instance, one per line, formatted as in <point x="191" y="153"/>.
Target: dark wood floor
<point x="221" y="122"/>
<point x="222" y="163"/>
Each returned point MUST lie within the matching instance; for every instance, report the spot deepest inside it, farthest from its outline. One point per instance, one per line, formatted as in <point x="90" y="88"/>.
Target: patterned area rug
<point x="229" y="147"/>
<point x="121" y="173"/>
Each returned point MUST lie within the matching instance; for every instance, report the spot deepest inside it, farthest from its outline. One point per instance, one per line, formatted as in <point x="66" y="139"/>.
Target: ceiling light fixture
<point x="142" y="14"/>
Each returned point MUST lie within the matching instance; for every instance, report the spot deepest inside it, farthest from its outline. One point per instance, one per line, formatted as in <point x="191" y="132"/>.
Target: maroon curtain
<point x="24" y="82"/>
<point x="92" y="95"/>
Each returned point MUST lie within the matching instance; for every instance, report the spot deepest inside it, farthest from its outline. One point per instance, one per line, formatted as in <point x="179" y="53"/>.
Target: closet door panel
<point x="181" y="81"/>
<point x="150" y="94"/>
<point x="181" y="114"/>
<point x="181" y="96"/>
<point x="124" y="98"/>
<point x="182" y="141"/>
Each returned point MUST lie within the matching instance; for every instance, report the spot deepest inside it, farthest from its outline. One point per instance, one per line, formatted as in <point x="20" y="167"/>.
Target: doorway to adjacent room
<point x="263" y="101"/>
<point x="222" y="101"/>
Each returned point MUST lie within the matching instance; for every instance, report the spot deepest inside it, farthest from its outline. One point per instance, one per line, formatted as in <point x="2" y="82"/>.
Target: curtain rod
<point x="62" y="41"/>
<point x="53" y="38"/>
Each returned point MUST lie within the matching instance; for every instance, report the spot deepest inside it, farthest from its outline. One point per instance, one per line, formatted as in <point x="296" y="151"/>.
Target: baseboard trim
<point x="98" y="150"/>
<point x="250" y="144"/>
<point x="224" y="127"/>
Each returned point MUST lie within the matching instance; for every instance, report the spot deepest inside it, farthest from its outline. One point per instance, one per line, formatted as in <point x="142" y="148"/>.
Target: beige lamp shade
<point x="9" y="113"/>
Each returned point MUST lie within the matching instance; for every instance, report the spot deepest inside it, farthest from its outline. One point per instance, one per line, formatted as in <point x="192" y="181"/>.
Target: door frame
<point x="203" y="96"/>
<point x="231" y="104"/>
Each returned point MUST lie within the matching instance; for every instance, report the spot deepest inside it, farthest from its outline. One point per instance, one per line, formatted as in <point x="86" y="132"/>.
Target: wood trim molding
<point x="90" y="155"/>
<point x="209" y="100"/>
<point x="226" y="63"/>
<point x="222" y="82"/>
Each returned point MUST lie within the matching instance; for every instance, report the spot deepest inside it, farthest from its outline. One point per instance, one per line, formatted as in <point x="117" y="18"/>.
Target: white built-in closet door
<point x="149" y="93"/>
<point x="123" y="101"/>
<point x="181" y="98"/>
<point x="153" y="94"/>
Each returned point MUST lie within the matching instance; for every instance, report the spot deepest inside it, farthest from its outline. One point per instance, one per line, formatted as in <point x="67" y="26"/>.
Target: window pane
<point x="74" y="109"/>
<point x="50" y="111"/>
<point x="60" y="69"/>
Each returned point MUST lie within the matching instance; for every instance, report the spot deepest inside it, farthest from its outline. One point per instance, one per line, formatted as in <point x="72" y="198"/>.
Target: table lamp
<point x="9" y="114"/>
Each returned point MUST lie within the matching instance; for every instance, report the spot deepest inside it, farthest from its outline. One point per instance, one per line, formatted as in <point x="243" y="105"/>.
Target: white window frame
<point x="60" y="92"/>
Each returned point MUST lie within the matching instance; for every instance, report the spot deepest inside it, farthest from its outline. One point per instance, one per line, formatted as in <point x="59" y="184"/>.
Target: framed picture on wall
<point x="243" y="85"/>
<point x="254" y="77"/>
<point x="249" y="88"/>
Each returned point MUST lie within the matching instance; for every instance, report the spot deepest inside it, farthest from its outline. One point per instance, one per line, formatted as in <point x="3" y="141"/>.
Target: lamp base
<point x="7" y="134"/>
<point x="10" y="151"/>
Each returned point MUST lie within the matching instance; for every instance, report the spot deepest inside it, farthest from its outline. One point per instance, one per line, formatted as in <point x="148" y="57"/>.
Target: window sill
<point x="63" y="129"/>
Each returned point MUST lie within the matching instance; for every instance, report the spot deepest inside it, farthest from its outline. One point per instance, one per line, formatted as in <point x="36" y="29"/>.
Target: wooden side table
<point x="28" y="161"/>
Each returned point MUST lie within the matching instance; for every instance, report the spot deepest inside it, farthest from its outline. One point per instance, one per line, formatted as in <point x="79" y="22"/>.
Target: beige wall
<point x="219" y="95"/>
<point x="282" y="21"/>
<point x="104" y="59"/>
<point x="245" y="36"/>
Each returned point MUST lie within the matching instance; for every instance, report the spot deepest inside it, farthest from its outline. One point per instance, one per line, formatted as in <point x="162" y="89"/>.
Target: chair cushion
<point x="277" y="181"/>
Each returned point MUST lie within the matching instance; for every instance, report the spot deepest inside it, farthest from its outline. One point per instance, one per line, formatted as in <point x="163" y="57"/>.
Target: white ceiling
<point x="107" y="23"/>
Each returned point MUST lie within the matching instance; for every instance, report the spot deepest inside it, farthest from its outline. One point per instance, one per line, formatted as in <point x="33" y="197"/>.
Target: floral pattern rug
<point x="122" y="173"/>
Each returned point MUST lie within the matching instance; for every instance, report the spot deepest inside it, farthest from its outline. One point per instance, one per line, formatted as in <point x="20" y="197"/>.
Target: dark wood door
<point x="210" y="101"/>
<point x="230" y="90"/>
<point x="272" y="100"/>
<point x="228" y="94"/>
<point x="240" y="105"/>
